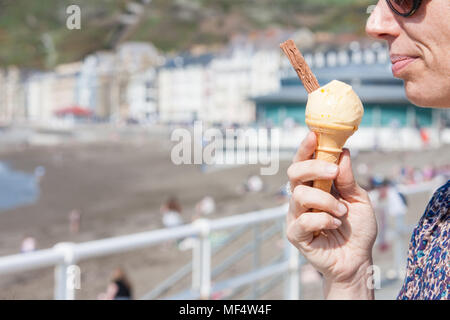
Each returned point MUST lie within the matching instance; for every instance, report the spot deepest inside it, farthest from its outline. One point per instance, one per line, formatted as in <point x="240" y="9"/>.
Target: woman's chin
<point x="422" y="97"/>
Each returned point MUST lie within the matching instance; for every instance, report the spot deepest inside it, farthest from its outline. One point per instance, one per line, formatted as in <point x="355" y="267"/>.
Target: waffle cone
<point x="330" y="141"/>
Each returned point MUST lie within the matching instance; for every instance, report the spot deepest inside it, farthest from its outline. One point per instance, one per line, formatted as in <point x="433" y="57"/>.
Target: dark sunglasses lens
<point x="402" y="6"/>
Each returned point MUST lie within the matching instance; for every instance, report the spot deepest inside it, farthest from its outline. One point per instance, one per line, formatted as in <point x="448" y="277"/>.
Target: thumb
<point x="345" y="182"/>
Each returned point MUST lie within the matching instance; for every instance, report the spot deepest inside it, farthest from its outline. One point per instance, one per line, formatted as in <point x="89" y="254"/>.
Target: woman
<point x="418" y="35"/>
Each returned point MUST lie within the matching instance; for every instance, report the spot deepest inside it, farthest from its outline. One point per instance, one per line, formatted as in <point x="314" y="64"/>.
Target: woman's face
<point x="419" y="48"/>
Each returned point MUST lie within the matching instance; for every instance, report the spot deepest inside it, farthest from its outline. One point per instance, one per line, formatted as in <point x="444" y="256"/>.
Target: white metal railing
<point x="253" y="246"/>
<point x="187" y="268"/>
<point x="64" y="256"/>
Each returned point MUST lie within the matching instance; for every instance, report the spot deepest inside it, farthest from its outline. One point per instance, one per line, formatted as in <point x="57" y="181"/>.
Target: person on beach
<point x="74" y="221"/>
<point x="28" y="244"/>
<point x="119" y="288"/>
<point x="171" y="213"/>
<point x="387" y="202"/>
<point x="418" y="34"/>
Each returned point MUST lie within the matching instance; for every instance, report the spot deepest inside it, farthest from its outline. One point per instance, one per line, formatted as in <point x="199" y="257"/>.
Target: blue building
<point x="383" y="97"/>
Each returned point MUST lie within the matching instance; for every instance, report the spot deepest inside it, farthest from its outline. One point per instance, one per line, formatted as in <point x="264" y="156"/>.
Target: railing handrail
<point x="424" y="186"/>
<point x="32" y="260"/>
<point x="97" y="248"/>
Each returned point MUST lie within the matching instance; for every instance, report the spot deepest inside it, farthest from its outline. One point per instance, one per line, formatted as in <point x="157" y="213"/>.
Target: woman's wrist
<point x="357" y="287"/>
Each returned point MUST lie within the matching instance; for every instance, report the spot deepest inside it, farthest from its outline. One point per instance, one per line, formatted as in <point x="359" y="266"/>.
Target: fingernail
<point x="331" y="169"/>
<point x="342" y="208"/>
<point x="337" y="222"/>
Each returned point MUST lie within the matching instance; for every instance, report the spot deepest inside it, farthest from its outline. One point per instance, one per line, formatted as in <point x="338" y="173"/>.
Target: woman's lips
<point x="400" y="62"/>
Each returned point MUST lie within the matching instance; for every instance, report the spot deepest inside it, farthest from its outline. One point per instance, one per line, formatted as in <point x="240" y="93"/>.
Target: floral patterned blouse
<point x="428" y="265"/>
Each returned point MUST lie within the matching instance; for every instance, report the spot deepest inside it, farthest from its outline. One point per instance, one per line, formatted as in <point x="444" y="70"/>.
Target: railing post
<point x="64" y="283"/>
<point x="292" y="279"/>
<point x="196" y="264"/>
<point x="256" y="256"/>
<point x="201" y="272"/>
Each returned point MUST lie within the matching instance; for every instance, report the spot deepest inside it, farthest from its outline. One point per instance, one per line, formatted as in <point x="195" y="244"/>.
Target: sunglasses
<point x="404" y="8"/>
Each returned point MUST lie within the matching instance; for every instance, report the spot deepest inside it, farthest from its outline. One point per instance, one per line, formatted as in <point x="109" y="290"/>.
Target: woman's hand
<point x="343" y="250"/>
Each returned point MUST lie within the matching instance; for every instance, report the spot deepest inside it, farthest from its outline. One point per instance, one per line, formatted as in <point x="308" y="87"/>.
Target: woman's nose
<point x="382" y="23"/>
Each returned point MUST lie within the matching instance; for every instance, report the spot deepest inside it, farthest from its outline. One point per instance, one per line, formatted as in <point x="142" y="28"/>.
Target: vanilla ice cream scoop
<point x="335" y="103"/>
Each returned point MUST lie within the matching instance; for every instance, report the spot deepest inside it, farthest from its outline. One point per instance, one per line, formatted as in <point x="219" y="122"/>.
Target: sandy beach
<point x="119" y="185"/>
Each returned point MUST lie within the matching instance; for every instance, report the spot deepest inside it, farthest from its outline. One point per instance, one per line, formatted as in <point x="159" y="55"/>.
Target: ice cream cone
<point x="333" y="111"/>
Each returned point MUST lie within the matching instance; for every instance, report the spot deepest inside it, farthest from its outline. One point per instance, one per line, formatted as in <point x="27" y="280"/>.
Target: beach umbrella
<point x="73" y="111"/>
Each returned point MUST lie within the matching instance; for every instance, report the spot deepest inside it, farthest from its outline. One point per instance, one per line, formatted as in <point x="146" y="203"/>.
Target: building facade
<point x="118" y="85"/>
<point x="12" y="99"/>
<point x="184" y="88"/>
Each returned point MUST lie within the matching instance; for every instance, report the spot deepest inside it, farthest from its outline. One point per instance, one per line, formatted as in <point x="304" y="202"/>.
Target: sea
<point x="18" y="188"/>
